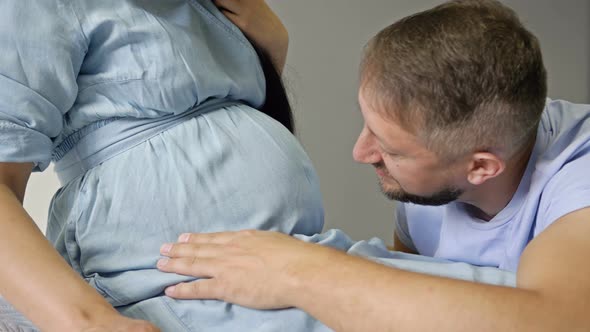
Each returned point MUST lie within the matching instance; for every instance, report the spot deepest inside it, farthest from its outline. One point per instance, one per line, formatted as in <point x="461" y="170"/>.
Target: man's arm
<point x="36" y="280"/>
<point x="552" y="294"/>
<point x="352" y="294"/>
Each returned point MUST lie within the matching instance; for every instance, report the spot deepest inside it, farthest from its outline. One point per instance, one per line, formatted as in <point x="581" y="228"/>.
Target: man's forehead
<point x="376" y="108"/>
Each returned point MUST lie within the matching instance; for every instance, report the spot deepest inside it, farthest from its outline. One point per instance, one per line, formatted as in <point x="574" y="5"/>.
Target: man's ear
<point x="484" y="166"/>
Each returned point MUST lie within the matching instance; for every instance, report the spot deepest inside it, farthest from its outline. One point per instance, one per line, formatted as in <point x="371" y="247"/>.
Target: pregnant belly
<point x="230" y="169"/>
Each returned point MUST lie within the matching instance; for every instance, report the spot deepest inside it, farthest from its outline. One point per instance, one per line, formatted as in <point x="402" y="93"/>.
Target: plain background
<point x="327" y="37"/>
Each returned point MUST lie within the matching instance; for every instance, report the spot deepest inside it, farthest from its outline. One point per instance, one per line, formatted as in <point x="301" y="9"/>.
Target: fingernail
<point x="162" y="262"/>
<point x="184" y="238"/>
<point x="166" y="248"/>
<point x="170" y="290"/>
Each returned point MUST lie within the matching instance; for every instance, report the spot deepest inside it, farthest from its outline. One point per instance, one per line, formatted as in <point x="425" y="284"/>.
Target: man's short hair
<point x="464" y="76"/>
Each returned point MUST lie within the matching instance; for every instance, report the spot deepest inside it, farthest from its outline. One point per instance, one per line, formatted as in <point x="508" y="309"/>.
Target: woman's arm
<point x="34" y="277"/>
<point x="261" y="25"/>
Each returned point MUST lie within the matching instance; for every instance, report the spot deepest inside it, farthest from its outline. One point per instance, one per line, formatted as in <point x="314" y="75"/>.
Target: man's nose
<point x="365" y="150"/>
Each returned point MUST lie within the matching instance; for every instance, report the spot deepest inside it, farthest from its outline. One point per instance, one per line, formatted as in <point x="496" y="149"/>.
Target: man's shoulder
<point x="559" y="180"/>
<point x="564" y="118"/>
<point x="564" y="134"/>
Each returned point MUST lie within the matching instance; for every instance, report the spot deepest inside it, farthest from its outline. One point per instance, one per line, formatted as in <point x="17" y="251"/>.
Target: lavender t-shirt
<point x="555" y="183"/>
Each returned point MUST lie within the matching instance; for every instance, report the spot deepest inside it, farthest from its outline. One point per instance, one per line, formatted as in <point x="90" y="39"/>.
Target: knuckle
<point x="195" y="288"/>
<point x="225" y="293"/>
<point x="193" y="261"/>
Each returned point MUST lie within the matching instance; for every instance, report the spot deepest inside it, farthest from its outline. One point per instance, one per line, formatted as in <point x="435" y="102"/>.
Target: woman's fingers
<point x="232" y="6"/>
<point x="233" y="17"/>
<point x="260" y="24"/>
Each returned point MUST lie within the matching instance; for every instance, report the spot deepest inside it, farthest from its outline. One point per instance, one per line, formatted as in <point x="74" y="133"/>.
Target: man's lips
<point x="381" y="172"/>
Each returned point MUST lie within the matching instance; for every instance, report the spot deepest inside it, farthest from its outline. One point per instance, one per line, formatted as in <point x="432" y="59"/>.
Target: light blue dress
<point x="147" y="108"/>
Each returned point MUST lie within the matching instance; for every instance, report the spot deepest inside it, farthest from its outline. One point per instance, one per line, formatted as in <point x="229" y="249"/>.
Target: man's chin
<point x="442" y="197"/>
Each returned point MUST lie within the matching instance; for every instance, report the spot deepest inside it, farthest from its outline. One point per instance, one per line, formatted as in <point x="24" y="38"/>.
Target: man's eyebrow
<point x="381" y="141"/>
<point x="385" y="145"/>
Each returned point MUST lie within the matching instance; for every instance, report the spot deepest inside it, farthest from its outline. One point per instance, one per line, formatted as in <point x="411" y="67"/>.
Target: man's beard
<point x="442" y="197"/>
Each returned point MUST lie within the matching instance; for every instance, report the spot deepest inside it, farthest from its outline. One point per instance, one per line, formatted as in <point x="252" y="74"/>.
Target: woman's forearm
<point x="36" y="280"/>
<point x="261" y="25"/>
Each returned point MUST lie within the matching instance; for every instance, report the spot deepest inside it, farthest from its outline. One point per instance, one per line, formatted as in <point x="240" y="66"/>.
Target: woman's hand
<point x="256" y="269"/>
<point x="261" y="25"/>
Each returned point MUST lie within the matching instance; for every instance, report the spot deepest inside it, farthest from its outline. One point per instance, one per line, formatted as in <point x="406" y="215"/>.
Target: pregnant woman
<point x="161" y="118"/>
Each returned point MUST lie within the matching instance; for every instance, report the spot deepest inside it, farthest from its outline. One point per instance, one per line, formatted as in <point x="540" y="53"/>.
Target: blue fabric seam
<point x="216" y="21"/>
<point x="100" y="288"/>
<point x="173" y="313"/>
<point x="69" y="142"/>
<point x="31" y="90"/>
<point x="11" y="125"/>
<point x="240" y="38"/>
<point x="116" y="80"/>
<point x="82" y="33"/>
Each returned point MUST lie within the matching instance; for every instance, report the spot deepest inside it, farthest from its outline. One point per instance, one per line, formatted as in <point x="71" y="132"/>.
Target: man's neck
<point x="491" y="197"/>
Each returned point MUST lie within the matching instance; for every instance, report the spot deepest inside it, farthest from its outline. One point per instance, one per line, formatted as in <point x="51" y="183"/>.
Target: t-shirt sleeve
<point x="401" y="227"/>
<point x="567" y="191"/>
<point x="42" y="49"/>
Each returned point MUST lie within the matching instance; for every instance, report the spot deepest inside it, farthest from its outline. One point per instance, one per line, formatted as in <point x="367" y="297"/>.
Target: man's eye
<point x="387" y="151"/>
<point x="391" y="154"/>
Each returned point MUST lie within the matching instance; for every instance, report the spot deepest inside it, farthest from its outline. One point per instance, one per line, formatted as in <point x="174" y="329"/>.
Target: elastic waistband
<point x="121" y="134"/>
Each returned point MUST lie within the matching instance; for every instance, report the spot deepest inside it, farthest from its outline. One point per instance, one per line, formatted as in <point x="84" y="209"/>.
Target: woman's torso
<point x="227" y="169"/>
<point x="153" y="58"/>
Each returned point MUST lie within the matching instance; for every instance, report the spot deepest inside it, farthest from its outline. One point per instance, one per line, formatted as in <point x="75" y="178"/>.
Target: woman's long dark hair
<point x="277" y="103"/>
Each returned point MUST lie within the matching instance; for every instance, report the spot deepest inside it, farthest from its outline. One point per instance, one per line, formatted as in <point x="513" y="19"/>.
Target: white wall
<point x="326" y="40"/>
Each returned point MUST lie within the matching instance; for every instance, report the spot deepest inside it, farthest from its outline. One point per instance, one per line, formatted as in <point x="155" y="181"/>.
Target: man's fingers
<point x="176" y="250"/>
<point x="190" y="266"/>
<point x="205" y="238"/>
<point x="207" y="289"/>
